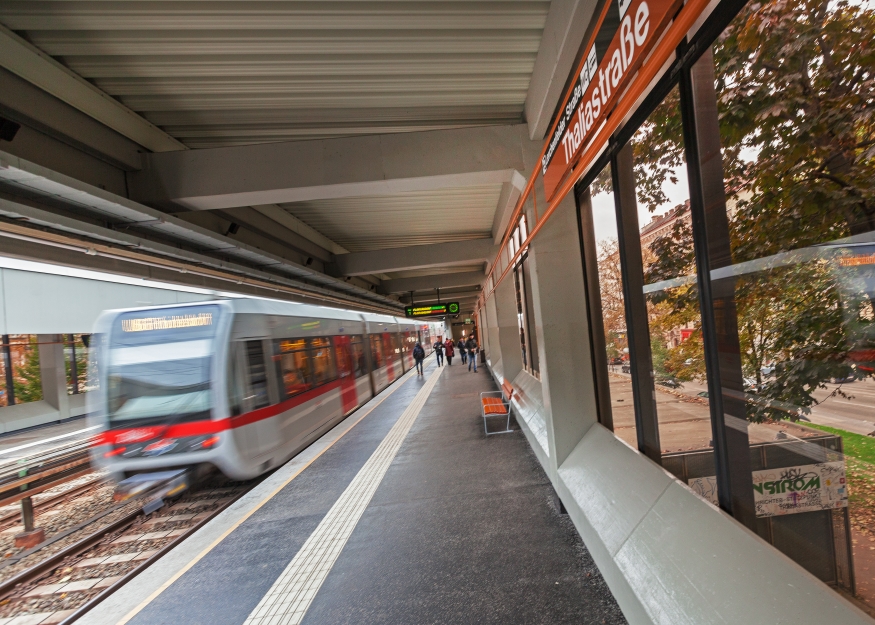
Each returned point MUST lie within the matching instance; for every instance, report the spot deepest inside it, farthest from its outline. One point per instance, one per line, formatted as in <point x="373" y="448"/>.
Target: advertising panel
<point x="790" y="490"/>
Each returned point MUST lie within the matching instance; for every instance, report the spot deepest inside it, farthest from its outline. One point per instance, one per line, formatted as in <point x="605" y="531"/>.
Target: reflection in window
<point x="794" y="115"/>
<point x="377" y="350"/>
<point x="525" y="304"/>
<point x="295" y="368"/>
<point x="257" y="373"/>
<point x="672" y="295"/>
<point x="357" y="353"/>
<point x="322" y="363"/>
<point x="603" y="224"/>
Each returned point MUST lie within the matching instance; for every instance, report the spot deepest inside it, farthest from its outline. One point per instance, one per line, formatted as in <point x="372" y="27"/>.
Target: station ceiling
<point x="362" y="224"/>
<point x="214" y="73"/>
<point x="220" y="75"/>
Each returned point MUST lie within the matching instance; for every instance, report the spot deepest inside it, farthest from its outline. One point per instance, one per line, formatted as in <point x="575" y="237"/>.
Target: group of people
<point x="467" y="350"/>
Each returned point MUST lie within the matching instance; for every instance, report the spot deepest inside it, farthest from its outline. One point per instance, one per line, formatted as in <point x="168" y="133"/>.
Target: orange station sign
<point x="599" y="85"/>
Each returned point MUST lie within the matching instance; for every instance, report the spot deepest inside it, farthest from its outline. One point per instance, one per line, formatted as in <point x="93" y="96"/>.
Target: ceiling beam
<point x="429" y="283"/>
<point x="27" y="104"/>
<point x="296" y="171"/>
<point x="510" y="194"/>
<point x="564" y="33"/>
<point x="416" y="257"/>
<point x="37" y="67"/>
<point x="289" y="221"/>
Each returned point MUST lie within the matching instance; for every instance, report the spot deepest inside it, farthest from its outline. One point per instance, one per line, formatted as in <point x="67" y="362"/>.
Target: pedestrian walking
<point x="471" y="346"/>
<point x="463" y="351"/>
<point x="418" y="356"/>
<point x="439" y="350"/>
<point x="450" y="350"/>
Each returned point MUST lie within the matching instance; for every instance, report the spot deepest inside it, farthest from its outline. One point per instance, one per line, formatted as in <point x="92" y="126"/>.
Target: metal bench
<point x="497" y="404"/>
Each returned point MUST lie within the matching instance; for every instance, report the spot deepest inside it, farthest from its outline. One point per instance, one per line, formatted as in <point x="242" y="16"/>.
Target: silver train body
<point x="240" y="385"/>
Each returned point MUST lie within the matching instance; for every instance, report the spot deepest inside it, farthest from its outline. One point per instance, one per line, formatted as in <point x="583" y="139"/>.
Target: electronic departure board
<point x="451" y="308"/>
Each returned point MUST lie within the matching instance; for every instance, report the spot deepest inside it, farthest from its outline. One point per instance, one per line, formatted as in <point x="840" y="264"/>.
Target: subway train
<point x="238" y="385"/>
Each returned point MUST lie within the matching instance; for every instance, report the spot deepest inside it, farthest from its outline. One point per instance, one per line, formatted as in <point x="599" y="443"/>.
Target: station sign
<point x="451" y="308"/>
<point x="599" y="84"/>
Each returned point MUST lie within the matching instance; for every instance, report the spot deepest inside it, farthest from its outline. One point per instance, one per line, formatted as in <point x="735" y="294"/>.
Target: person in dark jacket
<point x="439" y="350"/>
<point x="450" y="349"/>
<point x="463" y="351"/>
<point x="418" y="356"/>
<point x="471" y="346"/>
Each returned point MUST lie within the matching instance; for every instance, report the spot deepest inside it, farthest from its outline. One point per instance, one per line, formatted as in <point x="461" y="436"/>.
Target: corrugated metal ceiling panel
<point x="369" y="223"/>
<point x="229" y="73"/>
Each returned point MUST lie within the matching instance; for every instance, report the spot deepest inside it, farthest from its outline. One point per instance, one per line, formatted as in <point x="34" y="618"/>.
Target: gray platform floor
<point x="462" y="529"/>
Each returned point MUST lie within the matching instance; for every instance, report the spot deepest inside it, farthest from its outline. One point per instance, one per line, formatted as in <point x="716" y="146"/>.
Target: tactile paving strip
<point x="290" y="596"/>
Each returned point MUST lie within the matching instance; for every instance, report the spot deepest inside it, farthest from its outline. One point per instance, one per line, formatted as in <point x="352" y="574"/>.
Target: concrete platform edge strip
<point x="146" y="588"/>
<point x="290" y="597"/>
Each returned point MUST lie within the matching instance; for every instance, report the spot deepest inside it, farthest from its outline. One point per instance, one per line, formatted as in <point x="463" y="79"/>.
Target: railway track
<point x="13" y="517"/>
<point x="65" y="585"/>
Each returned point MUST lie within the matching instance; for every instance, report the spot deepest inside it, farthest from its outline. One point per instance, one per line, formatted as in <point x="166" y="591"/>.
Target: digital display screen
<point x="451" y="308"/>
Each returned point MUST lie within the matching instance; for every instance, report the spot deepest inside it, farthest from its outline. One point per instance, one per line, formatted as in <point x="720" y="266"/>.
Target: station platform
<point x="403" y="513"/>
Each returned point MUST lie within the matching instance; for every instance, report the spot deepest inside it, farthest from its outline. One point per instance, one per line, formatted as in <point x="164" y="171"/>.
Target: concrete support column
<point x="493" y="347"/>
<point x="52" y="373"/>
<point x="508" y="329"/>
<point x="562" y="327"/>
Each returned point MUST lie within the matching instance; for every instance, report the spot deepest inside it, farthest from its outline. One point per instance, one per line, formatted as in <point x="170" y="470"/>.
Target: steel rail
<point x="53" y="500"/>
<point x="94" y="601"/>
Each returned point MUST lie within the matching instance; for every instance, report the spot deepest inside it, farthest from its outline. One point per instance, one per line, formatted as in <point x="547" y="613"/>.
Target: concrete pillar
<point x="508" y="329"/>
<point x="493" y="348"/>
<point x="562" y="327"/>
<point x="52" y="373"/>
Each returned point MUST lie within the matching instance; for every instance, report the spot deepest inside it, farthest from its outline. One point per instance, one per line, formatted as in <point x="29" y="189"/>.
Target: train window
<point x="377" y="350"/>
<point x="295" y="367"/>
<point x="343" y="357"/>
<point x="235" y="382"/>
<point x="323" y="364"/>
<point x="357" y="351"/>
<point x="257" y="374"/>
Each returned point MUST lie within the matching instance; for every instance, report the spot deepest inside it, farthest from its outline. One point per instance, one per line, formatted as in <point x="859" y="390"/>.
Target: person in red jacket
<point x="450" y="350"/>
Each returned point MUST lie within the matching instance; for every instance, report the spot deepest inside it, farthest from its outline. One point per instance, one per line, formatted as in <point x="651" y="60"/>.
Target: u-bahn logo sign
<point x="451" y="308"/>
<point x="599" y="84"/>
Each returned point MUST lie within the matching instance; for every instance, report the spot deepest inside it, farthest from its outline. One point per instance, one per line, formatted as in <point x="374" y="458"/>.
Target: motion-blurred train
<point x="239" y="385"/>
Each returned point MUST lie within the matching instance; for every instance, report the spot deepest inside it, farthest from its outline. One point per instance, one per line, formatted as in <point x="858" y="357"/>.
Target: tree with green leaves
<point x="796" y="100"/>
<point x="28" y="379"/>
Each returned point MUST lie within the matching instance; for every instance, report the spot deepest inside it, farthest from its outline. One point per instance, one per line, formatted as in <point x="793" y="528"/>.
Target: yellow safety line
<point x="237" y="524"/>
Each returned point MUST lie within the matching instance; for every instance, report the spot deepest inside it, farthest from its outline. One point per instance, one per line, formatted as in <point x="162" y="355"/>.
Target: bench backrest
<point x="507" y="389"/>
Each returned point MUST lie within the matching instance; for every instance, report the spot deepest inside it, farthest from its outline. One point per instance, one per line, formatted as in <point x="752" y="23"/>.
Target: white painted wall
<point x="37" y="298"/>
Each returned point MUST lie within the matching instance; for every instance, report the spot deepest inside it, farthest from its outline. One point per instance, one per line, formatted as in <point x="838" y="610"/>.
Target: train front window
<point x="159" y="366"/>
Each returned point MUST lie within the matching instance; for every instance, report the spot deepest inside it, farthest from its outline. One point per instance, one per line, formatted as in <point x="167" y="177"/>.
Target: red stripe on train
<point x="208" y="426"/>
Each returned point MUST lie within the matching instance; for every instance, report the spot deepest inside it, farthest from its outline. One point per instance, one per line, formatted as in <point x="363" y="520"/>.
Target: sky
<point x="604" y="216"/>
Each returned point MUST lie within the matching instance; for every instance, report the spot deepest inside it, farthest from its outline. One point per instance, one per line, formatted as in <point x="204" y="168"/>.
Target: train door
<point x="398" y="352"/>
<point x="361" y="371"/>
<point x="262" y="393"/>
<point x="407" y="349"/>
<point x="390" y="356"/>
<point x="346" y="373"/>
<point x="378" y="363"/>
